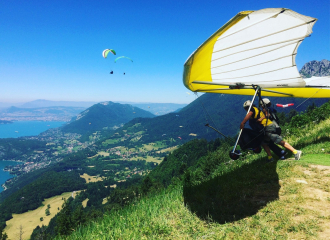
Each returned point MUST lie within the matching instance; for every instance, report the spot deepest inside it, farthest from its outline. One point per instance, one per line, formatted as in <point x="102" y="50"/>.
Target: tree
<point x="47" y="212"/>
<point x="79" y="217"/>
<point x="63" y="221"/>
<point x="20" y="233"/>
<point x="3" y="235"/>
<point x="146" y="185"/>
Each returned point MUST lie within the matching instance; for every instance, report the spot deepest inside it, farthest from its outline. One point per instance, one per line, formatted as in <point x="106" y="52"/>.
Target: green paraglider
<point x="107" y="51"/>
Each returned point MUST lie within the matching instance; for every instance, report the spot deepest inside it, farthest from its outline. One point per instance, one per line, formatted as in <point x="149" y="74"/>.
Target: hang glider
<point x="255" y="49"/>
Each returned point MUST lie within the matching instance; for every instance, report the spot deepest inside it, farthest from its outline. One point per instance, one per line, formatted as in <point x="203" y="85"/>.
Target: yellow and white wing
<point x="254" y="48"/>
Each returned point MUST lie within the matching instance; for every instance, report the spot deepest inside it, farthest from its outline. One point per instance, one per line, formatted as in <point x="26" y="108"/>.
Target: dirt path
<point x="315" y="190"/>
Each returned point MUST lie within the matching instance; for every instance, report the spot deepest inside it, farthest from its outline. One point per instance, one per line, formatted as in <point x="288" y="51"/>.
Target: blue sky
<point x="52" y="49"/>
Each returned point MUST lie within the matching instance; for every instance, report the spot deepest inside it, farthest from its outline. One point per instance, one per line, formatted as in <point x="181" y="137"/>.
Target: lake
<point x="4" y="176"/>
<point x="26" y="128"/>
<point x="20" y="129"/>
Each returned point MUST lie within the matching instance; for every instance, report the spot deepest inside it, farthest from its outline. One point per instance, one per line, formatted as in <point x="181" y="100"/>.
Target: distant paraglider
<point x="105" y="54"/>
<point x="121" y="58"/>
<point x="107" y="51"/>
<point x="284" y="105"/>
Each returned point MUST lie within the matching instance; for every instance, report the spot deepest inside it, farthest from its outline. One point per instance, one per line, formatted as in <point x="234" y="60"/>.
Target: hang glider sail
<point x="255" y="48"/>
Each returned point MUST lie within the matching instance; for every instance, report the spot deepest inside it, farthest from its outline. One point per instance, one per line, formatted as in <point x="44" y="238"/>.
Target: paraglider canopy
<point x="107" y="51"/>
<point x="122" y="57"/>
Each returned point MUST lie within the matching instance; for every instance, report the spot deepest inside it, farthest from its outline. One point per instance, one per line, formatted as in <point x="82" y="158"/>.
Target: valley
<point x="121" y="157"/>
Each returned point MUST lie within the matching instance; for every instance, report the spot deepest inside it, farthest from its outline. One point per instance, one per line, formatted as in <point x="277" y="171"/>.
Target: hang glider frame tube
<point x="239" y="135"/>
<point x="224" y="84"/>
<point x="236" y="87"/>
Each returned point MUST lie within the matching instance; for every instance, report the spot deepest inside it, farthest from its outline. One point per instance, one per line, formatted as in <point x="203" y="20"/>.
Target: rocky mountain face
<point x="315" y="68"/>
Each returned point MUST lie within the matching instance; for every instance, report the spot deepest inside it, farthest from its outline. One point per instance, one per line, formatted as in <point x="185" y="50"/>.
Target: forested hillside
<point x="15" y="147"/>
<point x="223" y="112"/>
<point x="200" y="158"/>
<point x="253" y="198"/>
<point x="104" y="115"/>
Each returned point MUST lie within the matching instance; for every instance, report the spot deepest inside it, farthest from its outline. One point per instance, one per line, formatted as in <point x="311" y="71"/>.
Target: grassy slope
<point x="30" y="220"/>
<point x="285" y="199"/>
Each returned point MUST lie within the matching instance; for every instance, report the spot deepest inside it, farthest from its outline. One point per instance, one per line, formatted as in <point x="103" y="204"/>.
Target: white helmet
<point x="246" y="104"/>
<point x="265" y="101"/>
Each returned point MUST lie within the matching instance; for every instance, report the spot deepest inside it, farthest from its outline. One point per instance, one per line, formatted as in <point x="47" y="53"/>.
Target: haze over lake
<point x="26" y="128"/>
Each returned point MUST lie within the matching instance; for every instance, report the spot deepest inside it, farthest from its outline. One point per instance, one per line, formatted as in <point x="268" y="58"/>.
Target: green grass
<point x="164" y="216"/>
<point x="245" y="199"/>
<point x="317" y="159"/>
<point x="111" y="141"/>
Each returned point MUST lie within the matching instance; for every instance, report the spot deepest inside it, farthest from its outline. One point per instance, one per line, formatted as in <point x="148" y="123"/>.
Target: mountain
<point x="155" y="108"/>
<point x="4" y="105"/>
<point x="158" y="108"/>
<point x="222" y="111"/>
<point x="102" y="115"/>
<point x="316" y="68"/>
<point x="41" y="113"/>
<point x="197" y="184"/>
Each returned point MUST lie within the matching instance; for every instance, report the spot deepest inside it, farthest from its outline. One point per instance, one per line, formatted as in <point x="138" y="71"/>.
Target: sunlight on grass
<point x="299" y="208"/>
<point x="319" y="159"/>
<point x="30" y="220"/>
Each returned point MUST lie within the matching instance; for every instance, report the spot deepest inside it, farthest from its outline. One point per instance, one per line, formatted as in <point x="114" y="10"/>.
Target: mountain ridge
<point x="104" y="115"/>
<point x="315" y="68"/>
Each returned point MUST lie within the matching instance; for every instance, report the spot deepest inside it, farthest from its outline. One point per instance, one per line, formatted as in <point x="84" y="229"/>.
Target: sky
<point x="53" y="49"/>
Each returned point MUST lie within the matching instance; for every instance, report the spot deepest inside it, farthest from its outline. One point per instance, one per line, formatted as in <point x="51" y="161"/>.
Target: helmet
<point x="265" y="101"/>
<point x="246" y="104"/>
